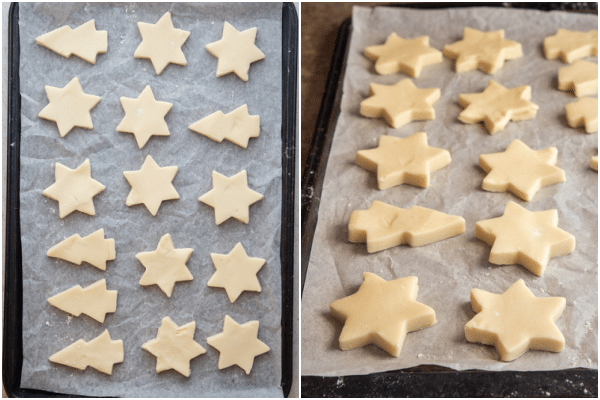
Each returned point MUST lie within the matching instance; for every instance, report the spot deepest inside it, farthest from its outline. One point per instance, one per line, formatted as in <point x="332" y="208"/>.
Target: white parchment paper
<point x="449" y="269"/>
<point x="195" y="92"/>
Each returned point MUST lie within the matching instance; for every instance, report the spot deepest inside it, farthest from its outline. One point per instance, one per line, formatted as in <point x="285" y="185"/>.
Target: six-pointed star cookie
<point x="231" y="197"/>
<point x="165" y="266"/>
<point x="238" y="344"/>
<point x="515" y="321"/>
<point x="497" y="105"/>
<point x="238" y="126"/>
<point x="161" y="43"/>
<point x="527" y="238"/>
<point x="583" y="112"/>
<point x="74" y="189"/>
<point x="520" y="170"/>
<point x="84" y="41"/>
<point x="403" y="55"/>
<point x="174" y="346"/>
<point x="581" y="78"/>
<point x="236" y="51"/>
<point x="571" y="45"/>
<point x="400" y="103"/>
<point x="69" y="107"/>
<point x="151" y="185"/>
<point x="144" y="117"/>
<point x="484" y="50"/>
<point x="403" y="160"/>
<point x="381" y="313"/>
<point x="236" y="272"/>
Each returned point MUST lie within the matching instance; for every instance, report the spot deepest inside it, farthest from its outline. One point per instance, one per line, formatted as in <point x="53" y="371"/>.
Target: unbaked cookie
<point x="84" y="41"/>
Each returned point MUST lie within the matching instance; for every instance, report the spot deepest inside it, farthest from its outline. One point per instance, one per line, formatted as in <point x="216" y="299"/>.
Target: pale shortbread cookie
<point x="95" y="300"/>
<point x="238" y="344"/>
<point x="69" y="107"/>
<point x="100" y="353"/>
<point x="527" y="238"/>
<point x="403" y="55"/>
<point x="165" y="266"/>
<point x="144" y="117"/>
<point x="583" y="112"/>
<point x="515" y="321"/>
<point x="151" y="185"/>
<point x="381" y="313"/>
<point x="594" y="163"/>
<point x="161" y="43"/>
<point x="581" y="78"/>
<point x="74" y="189"/>
<point x="520" y="170"/>
<point x="174" y="346"/>
<point x="383" y="226"/>
<point x="236" y="51"/>
<point x="497" y="105"/>
<point x="486" y="51"/>
<point x="400" y="103"/>
<point x="238" y="126"/>
<point x="93" y="249"/>
<point x="571" y="45"/>
<point x="84" y="41"/>
<point x="403" y="160"/>
<point x="231" y="197"/>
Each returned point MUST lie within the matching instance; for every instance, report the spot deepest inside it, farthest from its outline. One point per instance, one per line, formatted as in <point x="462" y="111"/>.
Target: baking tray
<point x="423" y="380"/>
<point x="12" y="357"/>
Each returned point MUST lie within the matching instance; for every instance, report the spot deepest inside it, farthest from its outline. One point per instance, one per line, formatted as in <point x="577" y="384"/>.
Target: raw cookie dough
<point x="236" y="51"/>
<point x="151" y="185"/>
<point x="74" y="189"/>
<point x="174" y="346"/>
<point x="238" y="344"/>
<point x="483" y="50"/>
<point x="581" y="78"/>
<point x="403" y="55"/>
<point x="583" y="112"/>
<point x="236" y="272"/>
<point x="400" y="103"/>
<point x="403" y="160"/>
<point x="515" y="321"/>
<point x="93" y="249"/>
<point x="165" y="266"/>
<point x="69" y="107"/>
<point x="144" y="117"/>
<point x="100" y="353"/>
<point x="231" y="197"/>
<point x="497" y="105"/>
<point x="527" y="238"/>
<point x="571" y="45"/>
<point x="94" y="300"/>
<point x="383" y="226"/>
<point x="84" y="41"/>
<point x="381" y="313"/>
<point x="161" y="43"/>
<point x="520" y="170"/>
<point x="594" y="163"/>
<point x="238" y="126"/>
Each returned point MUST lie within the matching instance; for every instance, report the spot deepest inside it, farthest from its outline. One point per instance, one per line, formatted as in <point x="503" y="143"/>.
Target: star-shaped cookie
<point x="236" y="51"/>
<point x="238" y="126"/>
<point x="74" y="189"/>
<point x="231" y="197"/>
<point x="581" y="78"/>
<point x="238" y="344"/>
<point x="151" y="185"/>
<point x="571" y="45"/>
<point x="400" y="103"/>
<point x="381" y="313"/>
<point x="236" y="272"/>
<point x="403" y="160"/>
<point x="174" y="346"/>
<point x="84" y="41"/>
<point x="515" y="321"/>
<point x="165" y="266"/>
<point x="520" y="170"/>
<point x="583" y="112"/>
<point x="403" y="55"/>
<point x="486" y="51"/>
<point x="161" y="43"/>
<point x="497" y="105"/>
<point x="527" y="238"/>
<point x="144" y="117"/>
<point x="69" y="107"/>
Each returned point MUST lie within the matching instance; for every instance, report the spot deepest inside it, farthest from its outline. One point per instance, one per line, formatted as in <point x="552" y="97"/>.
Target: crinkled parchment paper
<point x="447" y="270"/>
<point x="195" y="92"/>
